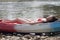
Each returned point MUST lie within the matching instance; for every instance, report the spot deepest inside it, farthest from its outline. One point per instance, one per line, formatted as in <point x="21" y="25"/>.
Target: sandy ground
<point x="28" y="37"/>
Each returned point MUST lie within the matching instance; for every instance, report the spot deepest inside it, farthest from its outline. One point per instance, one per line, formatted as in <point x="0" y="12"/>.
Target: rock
<point x="27" y="36"/>
<point x="37" y="37"/>
<point x="19" y="35"/>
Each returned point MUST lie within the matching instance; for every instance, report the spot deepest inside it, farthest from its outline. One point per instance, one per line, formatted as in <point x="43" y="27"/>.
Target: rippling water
<point x="26" y="10"/>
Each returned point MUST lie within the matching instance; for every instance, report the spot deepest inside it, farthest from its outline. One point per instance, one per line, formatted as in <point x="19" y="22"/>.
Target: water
<point x="26" y="10"/>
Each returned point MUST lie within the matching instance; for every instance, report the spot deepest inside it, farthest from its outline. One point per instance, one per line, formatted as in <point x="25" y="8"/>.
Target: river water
<point x="26" y="10"/>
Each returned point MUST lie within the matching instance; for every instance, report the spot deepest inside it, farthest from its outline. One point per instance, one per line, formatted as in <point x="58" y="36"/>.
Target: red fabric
<point x="40" y="20"/>
<point x="7" y="27"/>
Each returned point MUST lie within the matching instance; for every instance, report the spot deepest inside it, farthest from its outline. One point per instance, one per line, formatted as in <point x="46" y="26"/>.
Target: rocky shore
<point x="28" y="37"/>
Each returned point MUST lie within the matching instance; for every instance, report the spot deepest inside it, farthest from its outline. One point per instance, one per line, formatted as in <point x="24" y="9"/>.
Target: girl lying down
<point x="39" y="20"/>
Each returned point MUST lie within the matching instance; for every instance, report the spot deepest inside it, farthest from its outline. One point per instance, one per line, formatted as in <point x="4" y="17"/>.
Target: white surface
<point x="33" y="28"/>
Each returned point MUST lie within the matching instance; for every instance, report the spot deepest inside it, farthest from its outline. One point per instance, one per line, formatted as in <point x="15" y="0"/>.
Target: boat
<point x="27" y="28"/>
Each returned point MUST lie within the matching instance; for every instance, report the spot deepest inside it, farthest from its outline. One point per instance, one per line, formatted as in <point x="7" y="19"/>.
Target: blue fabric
<point x="55" y="26"/>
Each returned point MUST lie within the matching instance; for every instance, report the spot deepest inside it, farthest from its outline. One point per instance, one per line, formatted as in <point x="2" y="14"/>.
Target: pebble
<point x="28" y="37"/>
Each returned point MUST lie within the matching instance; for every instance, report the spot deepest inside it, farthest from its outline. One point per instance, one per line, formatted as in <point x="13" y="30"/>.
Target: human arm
<point x="34" y="22"/>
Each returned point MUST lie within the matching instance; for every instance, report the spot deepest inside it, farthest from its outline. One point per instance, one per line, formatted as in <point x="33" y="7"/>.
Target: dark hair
<point x="53" y="19"/>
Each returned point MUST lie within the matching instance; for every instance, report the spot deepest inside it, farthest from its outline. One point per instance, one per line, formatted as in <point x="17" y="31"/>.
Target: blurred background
<point x="24" y="0"/>
<point x="29" y="9"/>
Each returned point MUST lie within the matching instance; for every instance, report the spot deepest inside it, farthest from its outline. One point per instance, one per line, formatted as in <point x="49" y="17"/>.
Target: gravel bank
<point x="28" y="37"/>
